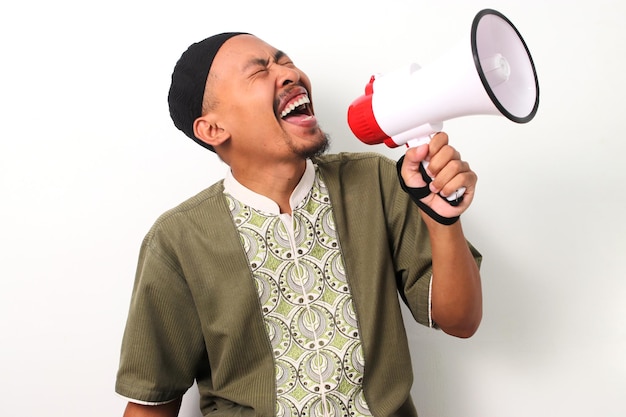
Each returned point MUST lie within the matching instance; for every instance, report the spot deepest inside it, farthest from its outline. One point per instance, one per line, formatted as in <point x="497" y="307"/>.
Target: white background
<point x="89" y="158"/>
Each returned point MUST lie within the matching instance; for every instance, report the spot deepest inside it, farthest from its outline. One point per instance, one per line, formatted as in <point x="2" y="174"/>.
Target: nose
<point x="287" y="75"/>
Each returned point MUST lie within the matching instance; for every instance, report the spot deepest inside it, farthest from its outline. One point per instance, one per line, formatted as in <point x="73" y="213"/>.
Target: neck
<point x="275" y="182"/>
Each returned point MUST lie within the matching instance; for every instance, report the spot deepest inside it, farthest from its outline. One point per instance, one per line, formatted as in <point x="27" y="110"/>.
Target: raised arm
<point x="456" y="286"/>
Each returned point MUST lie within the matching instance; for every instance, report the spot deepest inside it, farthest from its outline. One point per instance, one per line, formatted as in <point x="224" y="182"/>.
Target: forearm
<point x="165" y="410"/>
<point x="456" y="286"/>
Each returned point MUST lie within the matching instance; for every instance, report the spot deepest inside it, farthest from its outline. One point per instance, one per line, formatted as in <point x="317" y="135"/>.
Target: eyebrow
<point x="264" y="62"/>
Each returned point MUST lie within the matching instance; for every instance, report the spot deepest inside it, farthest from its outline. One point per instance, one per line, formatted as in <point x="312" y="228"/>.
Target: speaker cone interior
<point x="505" y="66"/>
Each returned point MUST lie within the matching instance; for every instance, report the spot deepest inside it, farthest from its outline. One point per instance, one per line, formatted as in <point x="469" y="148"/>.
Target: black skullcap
<point x="189" y="80"/>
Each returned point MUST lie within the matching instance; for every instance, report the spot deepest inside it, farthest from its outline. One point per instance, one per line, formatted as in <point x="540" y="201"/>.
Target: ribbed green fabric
<point x="195" y="313"/>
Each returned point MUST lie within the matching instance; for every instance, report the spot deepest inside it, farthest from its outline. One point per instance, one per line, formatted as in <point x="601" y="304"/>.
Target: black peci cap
<point x="189" y="81"/>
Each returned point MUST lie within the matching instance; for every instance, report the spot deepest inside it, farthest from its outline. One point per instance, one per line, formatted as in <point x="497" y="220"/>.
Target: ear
<point x="207" y="130"/>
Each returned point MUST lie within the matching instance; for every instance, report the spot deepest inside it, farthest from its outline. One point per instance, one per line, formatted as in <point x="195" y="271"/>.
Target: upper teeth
<point x="302" y="100"/>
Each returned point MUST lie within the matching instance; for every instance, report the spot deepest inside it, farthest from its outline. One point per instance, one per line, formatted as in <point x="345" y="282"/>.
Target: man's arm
<point x="456" y="287"/>
<point x="165" y="410"/>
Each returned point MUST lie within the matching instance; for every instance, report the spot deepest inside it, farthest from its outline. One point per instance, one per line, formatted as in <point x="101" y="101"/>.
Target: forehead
<point x="239" y="51"/>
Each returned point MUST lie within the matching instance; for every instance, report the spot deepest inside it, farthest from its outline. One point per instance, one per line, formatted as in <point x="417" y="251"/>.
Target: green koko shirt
<point x="195" y="312"/>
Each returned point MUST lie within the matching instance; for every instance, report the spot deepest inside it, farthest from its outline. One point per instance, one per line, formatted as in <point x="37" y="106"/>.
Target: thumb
<point x="414" y="156"/>
<point x="411" y="165"/>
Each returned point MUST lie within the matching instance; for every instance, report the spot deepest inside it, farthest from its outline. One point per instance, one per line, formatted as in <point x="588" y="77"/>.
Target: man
<point x="276" y="290"/>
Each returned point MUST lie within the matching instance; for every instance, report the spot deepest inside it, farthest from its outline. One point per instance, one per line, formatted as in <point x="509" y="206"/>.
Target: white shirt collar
<point x="264" y="204"/>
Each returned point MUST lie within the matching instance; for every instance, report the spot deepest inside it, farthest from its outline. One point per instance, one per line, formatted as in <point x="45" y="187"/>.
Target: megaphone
<point x="494" y="75"/>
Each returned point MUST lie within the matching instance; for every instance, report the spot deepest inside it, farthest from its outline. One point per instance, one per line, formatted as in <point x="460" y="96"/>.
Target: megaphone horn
<point x="494" y="75"/>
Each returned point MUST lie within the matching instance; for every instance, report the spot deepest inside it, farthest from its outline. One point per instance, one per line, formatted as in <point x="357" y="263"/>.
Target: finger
<point x="438" y="141"/>
<point x="442" y="158"/>
<point x="447" y="174"/>
<point x="465" y="180"/>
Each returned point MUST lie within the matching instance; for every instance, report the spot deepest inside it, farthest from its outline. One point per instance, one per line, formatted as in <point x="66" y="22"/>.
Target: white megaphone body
<point x="493" y="75"/>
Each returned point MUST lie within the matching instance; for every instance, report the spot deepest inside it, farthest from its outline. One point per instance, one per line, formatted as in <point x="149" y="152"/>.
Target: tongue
<point x="299" y="119"/>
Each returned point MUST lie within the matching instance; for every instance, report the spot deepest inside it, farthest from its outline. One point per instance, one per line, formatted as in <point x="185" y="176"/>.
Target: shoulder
<point x="363" y="167"/>
<point x="352" y="158"/>
<point x="200" y="202"/>
<point x="195" y="213"/>
<point x="364" y="162"/>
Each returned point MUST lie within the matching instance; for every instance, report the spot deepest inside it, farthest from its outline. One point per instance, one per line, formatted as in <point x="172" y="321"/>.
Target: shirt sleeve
<point x="162" y="347"/>
<point x="140" y="402"/>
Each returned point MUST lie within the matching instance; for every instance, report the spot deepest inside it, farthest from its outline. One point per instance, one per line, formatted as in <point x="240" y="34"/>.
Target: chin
<point x="315" y="146"/>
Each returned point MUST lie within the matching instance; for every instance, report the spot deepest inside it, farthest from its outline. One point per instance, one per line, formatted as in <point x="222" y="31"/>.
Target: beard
<point x="317" y="148"/>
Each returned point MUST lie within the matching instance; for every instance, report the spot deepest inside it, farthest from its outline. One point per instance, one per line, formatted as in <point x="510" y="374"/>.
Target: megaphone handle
<point x="454" y="199"/>
<point x="418" y="193"/>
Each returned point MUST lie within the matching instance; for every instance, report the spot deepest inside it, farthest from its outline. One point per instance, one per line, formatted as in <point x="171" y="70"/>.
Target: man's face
<point x="263" y="100"/>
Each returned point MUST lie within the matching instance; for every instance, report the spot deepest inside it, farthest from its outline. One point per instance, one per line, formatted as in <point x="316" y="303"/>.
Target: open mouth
<point x="298" y="106"/>
<point x="298" y="109"/>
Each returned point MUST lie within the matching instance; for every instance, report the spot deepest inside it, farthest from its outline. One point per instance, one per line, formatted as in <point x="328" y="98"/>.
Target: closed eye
<point x="259" y="70"/>
<point x="255" y="66"/>
<point x="258" y="66"/>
